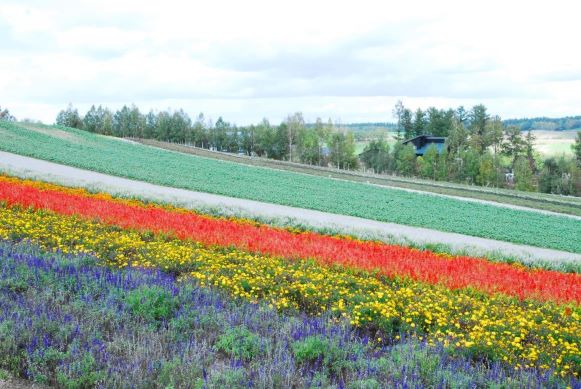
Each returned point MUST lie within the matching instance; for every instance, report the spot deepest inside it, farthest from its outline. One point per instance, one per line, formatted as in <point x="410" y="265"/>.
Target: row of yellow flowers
<point x="521" y="333"/>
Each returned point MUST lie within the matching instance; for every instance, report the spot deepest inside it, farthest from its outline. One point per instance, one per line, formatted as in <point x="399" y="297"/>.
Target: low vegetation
<point x="112" y="156"/>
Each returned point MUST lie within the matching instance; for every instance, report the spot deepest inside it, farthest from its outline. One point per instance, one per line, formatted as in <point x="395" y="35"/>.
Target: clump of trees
<point x="6" y="116"/>
<point x="480" y="149"/>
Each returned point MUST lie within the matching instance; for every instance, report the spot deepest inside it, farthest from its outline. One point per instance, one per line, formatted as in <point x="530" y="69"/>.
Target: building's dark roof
<point x="425" y="138"/>
<point x="422" y="142"/>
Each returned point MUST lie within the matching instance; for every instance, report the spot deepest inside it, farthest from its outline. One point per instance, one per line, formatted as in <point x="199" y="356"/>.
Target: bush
<point x="239" y="342"/>
<point x="152" y="303"/>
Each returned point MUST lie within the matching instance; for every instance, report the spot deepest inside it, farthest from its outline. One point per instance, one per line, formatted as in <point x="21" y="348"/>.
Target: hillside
<point x="127" y="159"/>
<point x="541" y="201"/>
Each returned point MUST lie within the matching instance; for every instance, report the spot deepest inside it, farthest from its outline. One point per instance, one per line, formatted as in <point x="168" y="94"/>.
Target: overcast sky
<point x="350" y="61"/>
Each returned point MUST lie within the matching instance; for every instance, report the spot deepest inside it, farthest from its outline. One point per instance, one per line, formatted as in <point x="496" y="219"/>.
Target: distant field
<point x="555" y="143"/>
<point x="127" y="159"/>
<point x="548" y="143"/>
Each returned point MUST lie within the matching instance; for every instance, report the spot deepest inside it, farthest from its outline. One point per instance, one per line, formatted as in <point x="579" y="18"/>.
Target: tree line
<point x="321" y="143"/>
<point x="544" y="123"/>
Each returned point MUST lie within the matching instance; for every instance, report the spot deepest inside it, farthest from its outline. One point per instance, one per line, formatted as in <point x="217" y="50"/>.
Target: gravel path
<point x="34" y="168"/>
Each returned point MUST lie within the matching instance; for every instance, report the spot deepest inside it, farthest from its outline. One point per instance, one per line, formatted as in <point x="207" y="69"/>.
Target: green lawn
<point x="117" y="157"/>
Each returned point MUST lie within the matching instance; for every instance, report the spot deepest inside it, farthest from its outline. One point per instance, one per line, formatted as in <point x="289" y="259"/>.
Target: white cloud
<point x="246" y="60"/>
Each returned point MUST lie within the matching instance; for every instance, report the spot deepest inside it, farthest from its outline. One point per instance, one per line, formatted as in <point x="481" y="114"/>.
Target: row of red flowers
<point x="390" y="260"/>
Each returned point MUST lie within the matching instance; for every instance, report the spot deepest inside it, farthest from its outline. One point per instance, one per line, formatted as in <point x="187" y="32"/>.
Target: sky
<point x="350" y="61"/>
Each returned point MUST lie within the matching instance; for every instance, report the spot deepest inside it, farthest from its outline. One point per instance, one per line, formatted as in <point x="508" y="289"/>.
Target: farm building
<point x="422" y="142"/>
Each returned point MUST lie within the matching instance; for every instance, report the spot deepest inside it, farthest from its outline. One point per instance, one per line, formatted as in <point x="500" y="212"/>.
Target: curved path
<point x="61" y="174"/>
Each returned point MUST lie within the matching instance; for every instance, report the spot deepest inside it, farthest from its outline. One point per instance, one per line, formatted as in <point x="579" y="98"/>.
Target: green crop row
<point x="126" y="159"/>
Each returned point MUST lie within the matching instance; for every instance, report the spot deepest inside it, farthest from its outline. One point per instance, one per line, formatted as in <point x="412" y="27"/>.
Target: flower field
<point x="67" y="322"/>
<point x="389" y="260"/>
<point x="473" y="309"/>
<point x="116" y="157"/>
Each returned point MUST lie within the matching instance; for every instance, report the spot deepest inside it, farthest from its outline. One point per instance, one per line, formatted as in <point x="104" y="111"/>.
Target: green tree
<point x="479" y="137"/>
<point x="398" y="112"/>
<point x="407" y="124"/>
<point x="529" y="150"/>
<point x="122" y="122"/>
<point x="6" y="116"/>
<point x="420" y="122"/>
<point x="308" y="149"/>
<point x="295" y="123"/>
<point x="558" y="176"/>
<point x="163" y="127"/>
<point x="577" y="148"/>
<point x="180" y="126"/>
<point x="150" y="126"/>
<point x="428" y="163"/>
<point x="136" y="122"/>
<point x="461" y="115"/>
<point x="457" y="140"/>
<point x="405" y="160"/>
<point x="342" y="151"/>
<point x="91" y="120"/>
<point x="495" y="133"/>
<point x="487" y="172"/>
<point x="470" y="166"/>
<point x="439" y="121"/>
<point x="523" y="175"/>
<point x="200" y="135"/>
<point x="376" y="156"/>
<point x="220" y="132"/>
<point x="247" y="139"/>
<point x="514" y="145"/>
<point x="106" y="120"/>
<point x="69" y="118"/>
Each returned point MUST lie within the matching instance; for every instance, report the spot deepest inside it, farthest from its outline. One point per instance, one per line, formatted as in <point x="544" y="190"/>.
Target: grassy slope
<point x="112" y="156"/>
<point x="542" y="201"/>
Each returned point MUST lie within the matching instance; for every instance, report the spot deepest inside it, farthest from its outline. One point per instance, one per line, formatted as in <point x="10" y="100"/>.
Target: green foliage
<point x="6" y="116"/>
<point x="342" y="151"/>
<point x="560" y="176"/>
<point x="69" y="118"/>
<point x="544" y="123"/>
<point x="406" y="160"/>
<point x="151" y="303"/>
<point x="428" y="163"/>
<point x="239" y="342"/>
<point x="376" y="156"/>
<point x="523" y="175"/>
<point x="83" y="373"/>
<point x="316" y="348"/>
<point x="116" y="157"/>
<point x="577" y="148"/>
<point x="487" y="173"/>
<point x="514" y="144"/>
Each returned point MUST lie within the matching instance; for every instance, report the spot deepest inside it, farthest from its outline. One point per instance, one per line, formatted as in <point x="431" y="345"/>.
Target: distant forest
<point x="524" y="124"/>
<point x="544" y="123"/>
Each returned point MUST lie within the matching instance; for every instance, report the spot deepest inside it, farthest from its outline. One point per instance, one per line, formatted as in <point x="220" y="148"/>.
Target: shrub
<point x="238" y="342"/>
